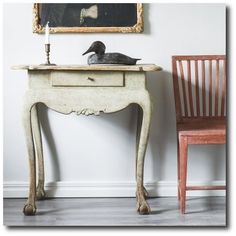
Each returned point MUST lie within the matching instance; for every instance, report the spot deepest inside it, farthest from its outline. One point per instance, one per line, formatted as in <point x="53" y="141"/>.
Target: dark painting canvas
<point x="88" y="15"/>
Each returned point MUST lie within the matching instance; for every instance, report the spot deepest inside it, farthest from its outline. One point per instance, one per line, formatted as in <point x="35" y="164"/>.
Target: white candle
<point x="47" y="41"/>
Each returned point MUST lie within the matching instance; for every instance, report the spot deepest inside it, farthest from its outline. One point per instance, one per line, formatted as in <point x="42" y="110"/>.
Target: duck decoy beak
<point x="89" y="50"/>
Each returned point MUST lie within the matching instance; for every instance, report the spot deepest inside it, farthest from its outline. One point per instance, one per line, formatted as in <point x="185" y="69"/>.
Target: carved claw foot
<point x="40" y="193"/>
<point x="143" y="207"/>
<point x="29" y="209"/>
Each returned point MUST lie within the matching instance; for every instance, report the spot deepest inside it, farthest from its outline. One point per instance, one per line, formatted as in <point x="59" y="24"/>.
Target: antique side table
<point x="86" y="90"/>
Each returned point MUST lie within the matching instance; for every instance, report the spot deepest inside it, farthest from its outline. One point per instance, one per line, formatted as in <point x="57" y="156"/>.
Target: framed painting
<point x="88" y="17"/>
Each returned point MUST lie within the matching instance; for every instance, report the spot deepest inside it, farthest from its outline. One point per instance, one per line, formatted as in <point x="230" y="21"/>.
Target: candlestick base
<point x="47" y="51"/>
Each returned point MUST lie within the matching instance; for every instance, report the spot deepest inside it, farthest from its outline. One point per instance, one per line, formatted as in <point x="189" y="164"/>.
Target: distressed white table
<point x="86" y="90"/>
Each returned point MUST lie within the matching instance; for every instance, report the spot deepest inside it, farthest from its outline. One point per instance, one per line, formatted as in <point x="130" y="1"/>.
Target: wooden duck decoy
<point x="100" y="57"/>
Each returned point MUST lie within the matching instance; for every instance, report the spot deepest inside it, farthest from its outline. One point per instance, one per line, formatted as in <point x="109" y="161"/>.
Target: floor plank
<point x="201" y="211"/>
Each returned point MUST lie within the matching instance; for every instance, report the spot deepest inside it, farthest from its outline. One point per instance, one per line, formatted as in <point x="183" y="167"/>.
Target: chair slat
<point x="207" y="73"/>
<point x="210" y="88"/>
<point x="223" y="89"/>
<point x="197" y="89"/>
<point x="176" y="91"/>
<point x="183" y="88"/>
<point x="217" y="87"/>
<point x="190" y="87"/>
<point x="203" y="88"/>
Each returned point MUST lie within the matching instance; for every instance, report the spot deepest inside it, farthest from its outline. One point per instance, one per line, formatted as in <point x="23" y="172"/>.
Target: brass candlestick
<point x="47" y="50"/>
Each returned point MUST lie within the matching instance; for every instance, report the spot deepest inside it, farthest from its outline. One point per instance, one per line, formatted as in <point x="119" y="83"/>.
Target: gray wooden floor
<point x="201" y="211"/>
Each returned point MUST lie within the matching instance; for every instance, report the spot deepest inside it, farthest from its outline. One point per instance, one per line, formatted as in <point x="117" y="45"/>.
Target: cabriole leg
<point x="40" y="193"/>
<point x="30" y="207"/>
<point x="139" y="123"/>
<point x="142" y="205"/>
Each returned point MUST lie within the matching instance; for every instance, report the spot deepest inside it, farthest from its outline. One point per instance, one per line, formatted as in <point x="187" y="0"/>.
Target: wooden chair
<point x="200" y="102"/>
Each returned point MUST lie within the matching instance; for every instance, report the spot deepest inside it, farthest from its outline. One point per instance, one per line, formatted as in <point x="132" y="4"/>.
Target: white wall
<point x="95" y="156"/>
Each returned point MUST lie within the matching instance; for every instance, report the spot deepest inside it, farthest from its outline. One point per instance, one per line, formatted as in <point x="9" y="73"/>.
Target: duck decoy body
<point x="100" y="57"/>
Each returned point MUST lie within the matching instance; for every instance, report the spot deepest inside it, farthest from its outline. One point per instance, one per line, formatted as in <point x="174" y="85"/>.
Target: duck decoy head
<point x="98" y="47"/>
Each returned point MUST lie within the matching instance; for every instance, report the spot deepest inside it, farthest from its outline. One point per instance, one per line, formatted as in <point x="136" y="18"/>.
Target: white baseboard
<point x="14" y="189"/>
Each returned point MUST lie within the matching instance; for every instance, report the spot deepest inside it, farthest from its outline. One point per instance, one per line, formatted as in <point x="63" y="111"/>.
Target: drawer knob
<point x="91" y="79"/>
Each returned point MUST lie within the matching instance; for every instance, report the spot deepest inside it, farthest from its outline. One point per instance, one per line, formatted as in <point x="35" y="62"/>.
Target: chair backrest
<point x="199" y="86"/>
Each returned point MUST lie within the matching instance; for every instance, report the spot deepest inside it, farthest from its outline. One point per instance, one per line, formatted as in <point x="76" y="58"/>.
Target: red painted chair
<point x="200" y="102"/>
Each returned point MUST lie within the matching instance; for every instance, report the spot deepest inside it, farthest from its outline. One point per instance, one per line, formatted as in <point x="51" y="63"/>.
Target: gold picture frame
<point x="136" y="28"/>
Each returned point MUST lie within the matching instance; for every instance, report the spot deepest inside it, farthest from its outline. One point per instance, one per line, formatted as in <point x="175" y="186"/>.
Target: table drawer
<point x="87" y="79"/>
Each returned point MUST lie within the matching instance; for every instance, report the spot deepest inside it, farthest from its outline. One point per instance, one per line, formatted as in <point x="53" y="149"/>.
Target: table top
<point x="138" y="67"/>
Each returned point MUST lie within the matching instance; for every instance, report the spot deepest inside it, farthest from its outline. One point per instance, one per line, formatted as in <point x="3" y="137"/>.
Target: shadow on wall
<point x="162" y="137"/>
<point x="45" y="126"/>
<point x="146" y="10"/>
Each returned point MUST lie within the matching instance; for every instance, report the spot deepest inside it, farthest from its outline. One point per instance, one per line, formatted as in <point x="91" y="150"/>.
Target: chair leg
<point x="178" y="169"/>
<point x="183" y="156"/>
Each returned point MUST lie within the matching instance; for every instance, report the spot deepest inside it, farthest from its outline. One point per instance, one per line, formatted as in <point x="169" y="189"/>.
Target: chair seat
<point x="202" y="127"/>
